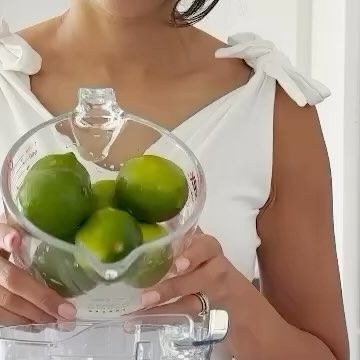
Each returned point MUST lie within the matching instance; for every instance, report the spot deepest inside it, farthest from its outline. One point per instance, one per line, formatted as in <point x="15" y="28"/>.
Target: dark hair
<point x="193" y="13"/>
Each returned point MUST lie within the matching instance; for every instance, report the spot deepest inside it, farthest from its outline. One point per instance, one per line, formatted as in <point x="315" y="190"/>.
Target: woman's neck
<point x="148" y="39"/>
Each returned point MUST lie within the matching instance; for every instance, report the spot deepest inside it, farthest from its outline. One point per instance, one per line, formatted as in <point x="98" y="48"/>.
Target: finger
<point x="21" y="283"/>
<point x="202" y="249"/>
<point x="9" y="319"/>
<point x="23" y="308"/>
<point x="207" y="278"/>
<point x="10" y="239"/>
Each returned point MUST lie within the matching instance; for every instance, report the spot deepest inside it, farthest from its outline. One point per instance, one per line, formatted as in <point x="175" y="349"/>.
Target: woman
<point x="257" y="135"/>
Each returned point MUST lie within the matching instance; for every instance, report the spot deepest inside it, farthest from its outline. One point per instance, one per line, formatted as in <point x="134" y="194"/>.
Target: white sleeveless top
<point x="232" y="137"/>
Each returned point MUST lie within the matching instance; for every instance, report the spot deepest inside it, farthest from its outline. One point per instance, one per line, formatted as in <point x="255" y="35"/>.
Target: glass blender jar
<point x="146" y="337"/>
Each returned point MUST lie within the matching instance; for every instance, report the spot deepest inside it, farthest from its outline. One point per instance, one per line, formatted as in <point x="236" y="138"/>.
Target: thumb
<point x="10" y="239"/>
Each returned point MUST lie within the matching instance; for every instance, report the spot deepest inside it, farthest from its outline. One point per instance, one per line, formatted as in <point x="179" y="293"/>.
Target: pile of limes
<point x="111" y="217"/>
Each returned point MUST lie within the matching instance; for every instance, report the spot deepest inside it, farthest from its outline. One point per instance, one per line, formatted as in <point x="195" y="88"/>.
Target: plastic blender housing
<point x="143" y="337"/>
<point x="95" y="131"/>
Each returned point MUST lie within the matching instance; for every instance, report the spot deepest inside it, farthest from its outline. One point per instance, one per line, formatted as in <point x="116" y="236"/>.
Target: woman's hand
<point x="256" y="328"/>
<point x="24" y="300"/>
<point x="202" y="267"/>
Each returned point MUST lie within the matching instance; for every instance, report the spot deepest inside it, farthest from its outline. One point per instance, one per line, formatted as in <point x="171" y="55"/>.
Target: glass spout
<point x="97" y="122"/>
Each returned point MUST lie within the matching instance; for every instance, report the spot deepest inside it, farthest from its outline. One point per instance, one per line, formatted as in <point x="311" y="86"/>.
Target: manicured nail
<point x="67" y="311"/>
<point x="12" y="240"/>
<point x="182" y="264"/>
<point x="150" y="298"/>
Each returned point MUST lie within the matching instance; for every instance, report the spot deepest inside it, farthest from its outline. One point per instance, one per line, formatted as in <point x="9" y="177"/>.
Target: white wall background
<point x="320" y="37"/>
<point x="22" y="13"/>
<point x="352" y="170"/>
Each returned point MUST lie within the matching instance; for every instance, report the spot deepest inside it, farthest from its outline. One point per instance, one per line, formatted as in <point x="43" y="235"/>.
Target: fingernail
<point x="67" y="311"/>
<point x="150" y="298"/>
<point x="12" y="240"/>
<point x="182" y="264"/>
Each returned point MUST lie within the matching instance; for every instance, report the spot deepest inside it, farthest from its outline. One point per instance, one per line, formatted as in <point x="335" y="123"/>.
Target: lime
<point x="56" y="200"/>
<point x="152" y="265"/>
<point x="66" y="161"/>
<point x="151" y="188"/>
<point x="61" y="272"/>
<point x="152" y="232"/>
<point x="110" y="234"/>
<point x="104" y="194"/>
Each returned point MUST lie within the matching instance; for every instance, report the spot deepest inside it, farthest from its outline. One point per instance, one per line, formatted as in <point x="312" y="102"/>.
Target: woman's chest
<point x="166" y="98"/>
<point x="167" y="101"/>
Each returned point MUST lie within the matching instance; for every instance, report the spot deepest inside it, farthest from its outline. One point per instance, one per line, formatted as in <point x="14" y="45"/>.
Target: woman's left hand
<point x="202" y="267"/>
<point x="257" y="330"/>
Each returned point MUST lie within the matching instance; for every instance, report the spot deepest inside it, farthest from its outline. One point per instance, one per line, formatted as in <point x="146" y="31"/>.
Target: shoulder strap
<point x="16" y="54"/>
<point x="264" y="57"/>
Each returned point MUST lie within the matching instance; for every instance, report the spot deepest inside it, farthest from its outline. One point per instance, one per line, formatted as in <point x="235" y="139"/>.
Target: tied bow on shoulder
<point x="16" y="54"/>
<point x="263" y="57"/>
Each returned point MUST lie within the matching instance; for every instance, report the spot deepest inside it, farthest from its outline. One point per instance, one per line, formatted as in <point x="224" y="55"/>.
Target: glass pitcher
<point x="102" y="136"/>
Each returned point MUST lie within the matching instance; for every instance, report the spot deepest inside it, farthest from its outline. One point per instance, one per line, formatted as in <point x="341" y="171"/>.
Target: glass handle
<point x="218" y="326"/>
<point x="214" y="332"/>
<point x="143" y="351"/>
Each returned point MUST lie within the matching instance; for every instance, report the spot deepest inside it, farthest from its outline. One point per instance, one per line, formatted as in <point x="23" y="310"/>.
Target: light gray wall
<point x="22" y="13"/>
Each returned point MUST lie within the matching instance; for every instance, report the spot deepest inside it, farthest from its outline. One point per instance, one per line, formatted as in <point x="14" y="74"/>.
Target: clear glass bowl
<point x="152" y="337"/>
<point x="101" y="136"/>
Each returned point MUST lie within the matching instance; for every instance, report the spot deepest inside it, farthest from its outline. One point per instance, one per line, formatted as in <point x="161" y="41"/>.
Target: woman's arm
<point x="297" y="257"/>
<point x="300" y="316"/>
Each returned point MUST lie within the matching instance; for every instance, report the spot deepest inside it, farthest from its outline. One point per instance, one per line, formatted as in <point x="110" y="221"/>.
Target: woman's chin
<point x="132" y="9"/>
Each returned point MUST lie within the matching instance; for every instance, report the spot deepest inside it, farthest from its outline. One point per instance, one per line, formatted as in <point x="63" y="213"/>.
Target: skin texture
<point x="299" y="314"/>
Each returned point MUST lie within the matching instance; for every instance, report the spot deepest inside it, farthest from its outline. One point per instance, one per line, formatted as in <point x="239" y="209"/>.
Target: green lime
<point x="152" y="232"/>
<point x="104" y="194"/>
<point x="110" y="234"/>
<point x="56" y="200"/>
<point x="61" y="271"/>
<point x="152" y="265"/>
<point x="151" y="188"/>
<point x="66" y="161"/>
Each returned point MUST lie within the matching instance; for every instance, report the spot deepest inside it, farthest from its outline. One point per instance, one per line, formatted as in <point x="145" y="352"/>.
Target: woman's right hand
<point x="23" y="300"/>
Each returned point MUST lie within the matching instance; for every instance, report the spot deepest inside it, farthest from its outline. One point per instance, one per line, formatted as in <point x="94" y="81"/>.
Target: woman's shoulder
<point x="265" y="58"/>
<point x="40" y="36"/>
<point x="232" y="72"/>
